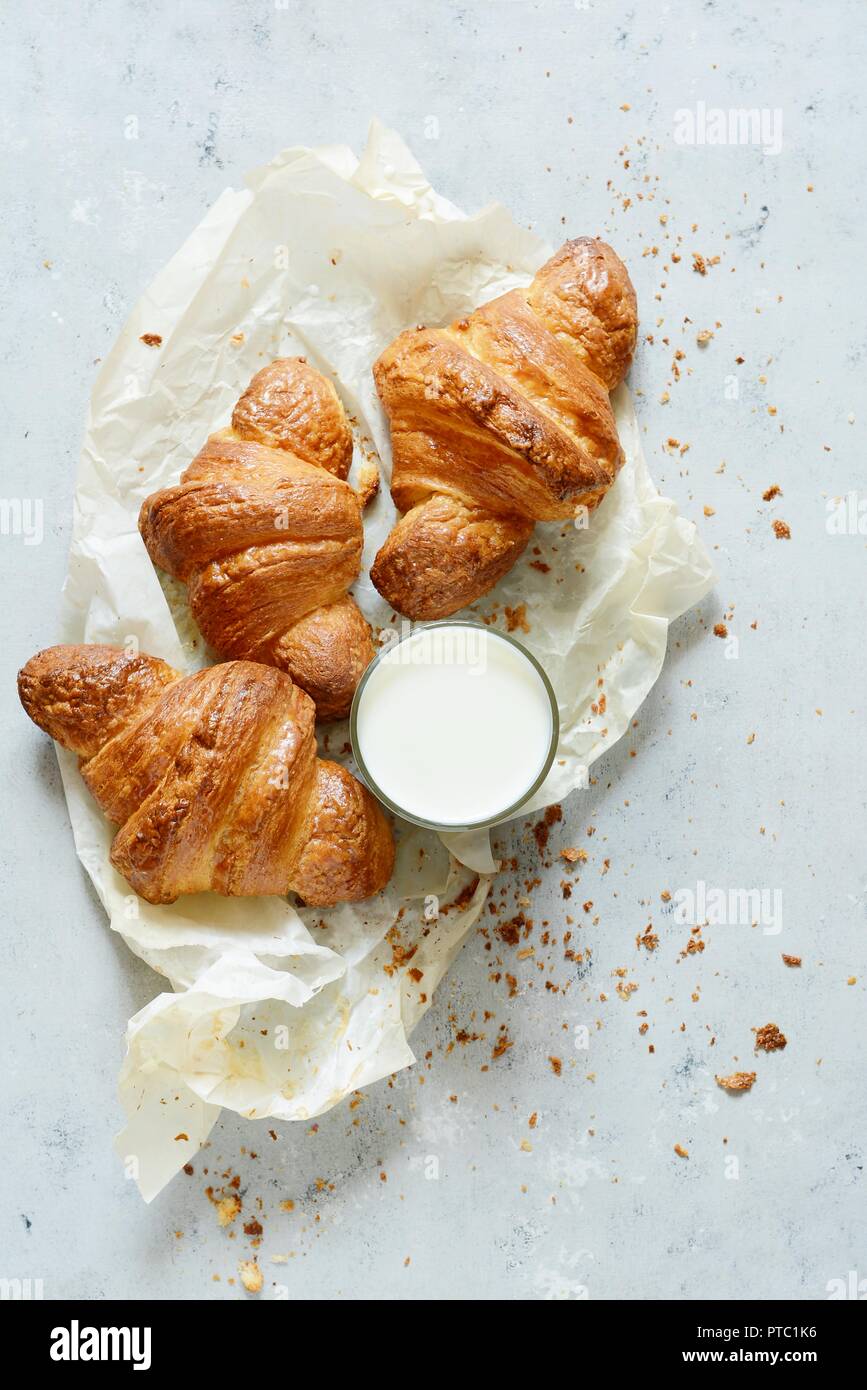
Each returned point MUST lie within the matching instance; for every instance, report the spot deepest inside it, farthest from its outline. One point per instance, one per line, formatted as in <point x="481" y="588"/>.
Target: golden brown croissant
<point x="500" y="421"/>
<point x="213" y="778"/>
<point x="267" y="534"/>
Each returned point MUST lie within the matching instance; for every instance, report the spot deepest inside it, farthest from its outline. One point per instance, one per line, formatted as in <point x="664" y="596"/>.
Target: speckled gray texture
<point x="525" y="102"/>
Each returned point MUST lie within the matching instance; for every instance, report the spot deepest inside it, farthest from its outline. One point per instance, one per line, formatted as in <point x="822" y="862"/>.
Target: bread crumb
<point x="704" y="337"/>
<point x="251" y="1276"/>
<point x="574" y="856"/>
<point x="227" y="1209"/>
<point x="782" y="530"/>
<point x="738" y="1081"/>
<point x="709" y="511"/>
<point x="791" y="960"/>
<point x="153" y="340"/>
<point x="769" y="1038"/>
<point x="648" y="938"/>
<point x="770" y="493"/>
<point x="516" y="618"/>
<point x="720" y="630"/>
<point x="681" y="1151"/>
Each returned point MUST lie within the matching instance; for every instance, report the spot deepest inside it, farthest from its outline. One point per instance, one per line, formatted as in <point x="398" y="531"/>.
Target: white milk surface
<point x="454" y="725"/>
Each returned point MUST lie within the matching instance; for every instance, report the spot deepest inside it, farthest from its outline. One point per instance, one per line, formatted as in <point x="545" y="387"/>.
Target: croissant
<point x="213" y="778"/>
<point x="267" y="534"/>
<point x="500" y="421"/>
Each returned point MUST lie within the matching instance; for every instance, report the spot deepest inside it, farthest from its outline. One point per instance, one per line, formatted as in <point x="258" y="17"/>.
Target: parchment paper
<point x="275" y="1011"/>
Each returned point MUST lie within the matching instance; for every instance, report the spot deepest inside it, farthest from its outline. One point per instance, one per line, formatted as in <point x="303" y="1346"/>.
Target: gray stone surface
<point x="526" y="103"/>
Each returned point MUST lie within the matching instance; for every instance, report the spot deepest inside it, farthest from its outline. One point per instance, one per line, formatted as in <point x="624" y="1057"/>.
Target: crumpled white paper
<point x="278" y="1012"/>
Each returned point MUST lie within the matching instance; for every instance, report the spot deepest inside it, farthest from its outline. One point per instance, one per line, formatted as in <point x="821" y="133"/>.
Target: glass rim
<point x="455" y="828"/>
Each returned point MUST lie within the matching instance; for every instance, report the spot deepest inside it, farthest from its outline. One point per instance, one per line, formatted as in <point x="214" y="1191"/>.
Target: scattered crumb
<point x="694" y="945"/>
<point x="151" y="339"/>
<point x="227" y="1209"/>
<point x="704" y="337"/>
<point x="774" y="491"/>
<point x="720" y="630"/>
<point x="516" y="618"/>
<point x="574" y="856"/>
<point x="782" y="530"/>
<point x="678" y="1148"/>
<point x="709" y="511"/>
<point x="769" y="1038"/>
<point x="251" y="1276"/>
<point x="556" y="1065"/>
<point x="791" y="960"/>
<point x="738" y="1081"/>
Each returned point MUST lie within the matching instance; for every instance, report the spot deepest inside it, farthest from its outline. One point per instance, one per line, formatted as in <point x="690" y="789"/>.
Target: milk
<point x="453" y="725"/>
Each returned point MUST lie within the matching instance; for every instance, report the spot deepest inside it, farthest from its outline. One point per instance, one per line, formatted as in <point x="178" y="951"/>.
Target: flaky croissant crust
<point x="267" y="534"/>
<point x="499" y="421"/>
<point x="213" y="778"/>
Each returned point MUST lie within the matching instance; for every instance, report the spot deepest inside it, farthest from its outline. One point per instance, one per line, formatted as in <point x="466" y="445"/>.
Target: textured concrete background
<point x="567" y="113"/>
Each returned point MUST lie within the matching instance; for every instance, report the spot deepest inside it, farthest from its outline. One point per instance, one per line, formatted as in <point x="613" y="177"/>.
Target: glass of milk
<point x="454" y="726"/>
